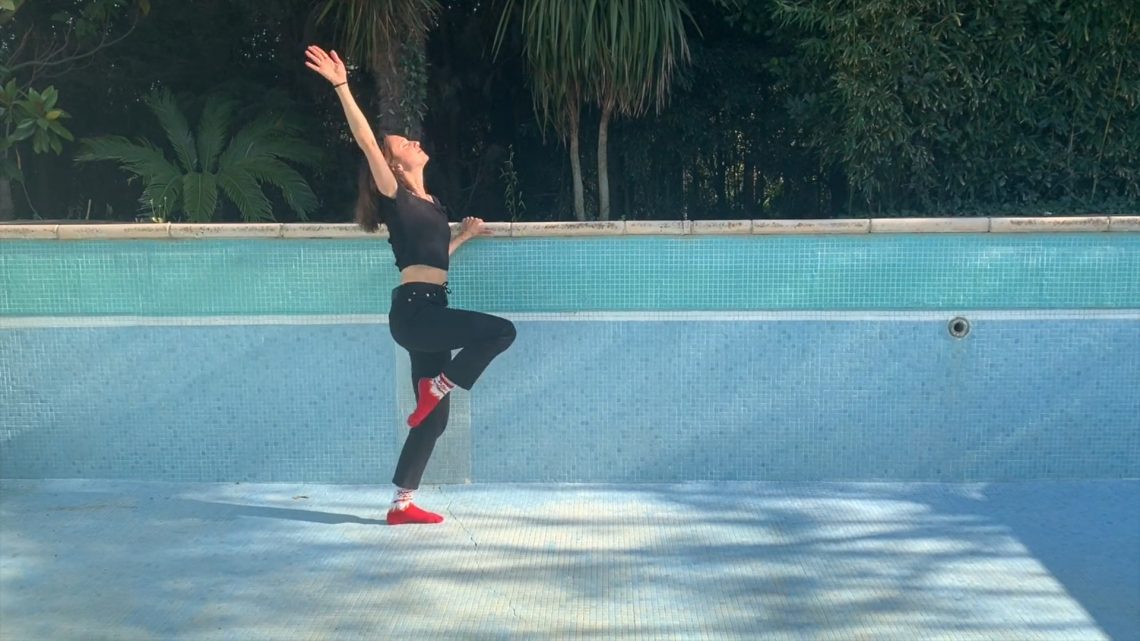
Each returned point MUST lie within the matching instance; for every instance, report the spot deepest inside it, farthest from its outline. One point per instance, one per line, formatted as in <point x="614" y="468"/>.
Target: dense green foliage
<point x="785" y="108"/>
<point x="217" y="157"/>
<point x="964" y="105"/>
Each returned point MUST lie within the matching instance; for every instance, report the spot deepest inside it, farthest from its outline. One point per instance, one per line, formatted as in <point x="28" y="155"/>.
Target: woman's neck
<point x="414" y="182"/>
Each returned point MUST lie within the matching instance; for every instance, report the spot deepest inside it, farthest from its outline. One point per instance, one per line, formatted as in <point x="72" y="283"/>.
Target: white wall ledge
<point x="971" y="225"/>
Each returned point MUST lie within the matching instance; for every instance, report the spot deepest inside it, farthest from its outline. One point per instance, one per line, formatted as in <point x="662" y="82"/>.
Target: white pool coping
<point x="970" y="225"/>
<point x="872" y="316"/>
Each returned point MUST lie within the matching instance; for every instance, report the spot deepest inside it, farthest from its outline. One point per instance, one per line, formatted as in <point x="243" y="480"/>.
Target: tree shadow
<point x="710" y="559"/>
<point x="1081" y="531"/>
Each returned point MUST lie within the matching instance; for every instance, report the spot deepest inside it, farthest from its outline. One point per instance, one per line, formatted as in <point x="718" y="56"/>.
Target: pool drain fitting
<point x="959" y="327"/>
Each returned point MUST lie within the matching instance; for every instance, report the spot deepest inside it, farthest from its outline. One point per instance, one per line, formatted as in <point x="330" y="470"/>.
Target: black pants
<point x="422" y="323"/>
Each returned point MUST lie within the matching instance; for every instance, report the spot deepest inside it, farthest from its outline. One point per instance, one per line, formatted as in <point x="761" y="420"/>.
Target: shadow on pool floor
<point x="133" y="560"/>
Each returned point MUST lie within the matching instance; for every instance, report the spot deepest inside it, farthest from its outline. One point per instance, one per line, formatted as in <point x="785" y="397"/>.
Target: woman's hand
<point x="474" y="227"/>
<point x="468" y="229"/>
<point x="330" y="67"/>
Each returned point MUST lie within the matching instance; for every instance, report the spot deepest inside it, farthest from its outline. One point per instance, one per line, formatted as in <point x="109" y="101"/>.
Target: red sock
<point x="432" y="391"/>
<point x="412" y="514"/>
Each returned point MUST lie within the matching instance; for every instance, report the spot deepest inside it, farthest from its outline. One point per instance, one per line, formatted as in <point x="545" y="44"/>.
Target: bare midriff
<point x="423" y="274"/>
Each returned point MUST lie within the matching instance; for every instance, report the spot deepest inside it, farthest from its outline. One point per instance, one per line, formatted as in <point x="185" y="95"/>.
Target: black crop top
<point x="417" y="229"/>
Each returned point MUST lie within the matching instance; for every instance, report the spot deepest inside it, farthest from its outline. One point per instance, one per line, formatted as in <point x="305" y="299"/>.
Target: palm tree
<point x="619" y="54"/>
<point x="189" y="185"/>
<point x="390" y="36"/>
<point x="559" y="56"/>
<point x="639" y="44"/>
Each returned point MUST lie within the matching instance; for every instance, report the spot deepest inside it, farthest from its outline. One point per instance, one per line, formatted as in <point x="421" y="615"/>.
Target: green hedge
<point x="983" y="106"/>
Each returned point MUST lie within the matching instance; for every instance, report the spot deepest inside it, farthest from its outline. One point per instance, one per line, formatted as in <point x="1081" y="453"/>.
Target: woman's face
<point x="405" y="154"/>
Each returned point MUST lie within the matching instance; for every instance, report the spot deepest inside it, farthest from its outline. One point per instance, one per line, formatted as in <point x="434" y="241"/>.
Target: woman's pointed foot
<point x="412" y="514"/>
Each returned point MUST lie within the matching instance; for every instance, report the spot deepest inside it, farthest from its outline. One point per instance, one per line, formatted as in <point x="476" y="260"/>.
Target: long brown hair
<point x="369" y="214"/>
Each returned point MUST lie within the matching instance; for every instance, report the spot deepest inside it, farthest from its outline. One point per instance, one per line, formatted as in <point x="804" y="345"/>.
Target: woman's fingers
<point x="475" y="226"/>
<point x="336" y="58"/>
<point x="317" y="55"/>
<point x="316" y="67"/>
<point x="319" y="61"/>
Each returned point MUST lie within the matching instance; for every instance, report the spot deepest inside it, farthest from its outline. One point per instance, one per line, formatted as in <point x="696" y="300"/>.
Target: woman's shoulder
<point x="403" y="198"/>
<point x="395" y="196"/>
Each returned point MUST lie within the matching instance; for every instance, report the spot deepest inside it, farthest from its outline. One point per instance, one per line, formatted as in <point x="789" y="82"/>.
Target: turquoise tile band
<point x="620" y="273"/>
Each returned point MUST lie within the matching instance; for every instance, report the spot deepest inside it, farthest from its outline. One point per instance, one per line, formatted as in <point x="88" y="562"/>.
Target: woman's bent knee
<point x="507" y="334"/>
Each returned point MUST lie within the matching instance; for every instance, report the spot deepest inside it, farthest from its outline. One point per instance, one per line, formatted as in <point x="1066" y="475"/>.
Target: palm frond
<point x="249" y="142"/>
<point x="292" y="149"/>
<point x="200" y="195"/>
<point x="292" y="184"/>
<point x="366" y="26"/>
<point x="504" y="22"/>
<point x="242" y="189"/>
<point x="162" y="195"/>
<point x="215" y="123"/>
<point x="177" y="130"/>
<point x="643" y="43"/>
<point x="554" y="47"/>
<point x="270" y="137"/>
<point x="140" y="158"/>
<point x="161" y="178"/>
<point x="618" y="52"/>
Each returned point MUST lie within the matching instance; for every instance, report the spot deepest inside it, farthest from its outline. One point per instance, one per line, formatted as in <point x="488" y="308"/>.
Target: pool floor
<point x="123" y="560"/>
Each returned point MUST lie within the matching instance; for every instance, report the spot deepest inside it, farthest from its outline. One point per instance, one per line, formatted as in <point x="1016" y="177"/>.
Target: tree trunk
<point x="7" y="205"/>
<point x="398" y="101"/>
<point x="749" y="195"/>
<point x="603" y="164"/>
<point x="576" y="168"/>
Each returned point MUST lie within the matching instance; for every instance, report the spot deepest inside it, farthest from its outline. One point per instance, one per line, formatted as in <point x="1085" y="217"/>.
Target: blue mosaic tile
<point x="225" y="374"/>
<point x="811" y="400"/>
<point x="264" y="403"/>
<point x="354" y="276"/>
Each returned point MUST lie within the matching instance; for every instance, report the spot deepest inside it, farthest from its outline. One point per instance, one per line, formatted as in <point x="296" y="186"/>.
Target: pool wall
<point x="744" y="350"/>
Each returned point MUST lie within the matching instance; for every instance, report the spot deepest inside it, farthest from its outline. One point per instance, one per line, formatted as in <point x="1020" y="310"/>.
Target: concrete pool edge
<point x="995" y="225"/>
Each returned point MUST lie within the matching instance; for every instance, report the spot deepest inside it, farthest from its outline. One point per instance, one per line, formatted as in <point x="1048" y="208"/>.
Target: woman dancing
<point x="391" y="191"/>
